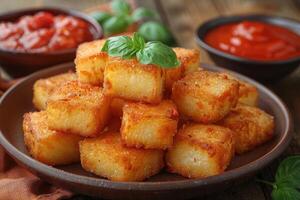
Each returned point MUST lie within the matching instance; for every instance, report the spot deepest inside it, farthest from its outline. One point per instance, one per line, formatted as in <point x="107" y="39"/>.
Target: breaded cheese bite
<point x="248" y="93"/>
<point x="251" y="125"/>
<point x="189" y="59"/>
<point x="205" y="96"/>
<point x="90" y="62"/>
<point x="131" y="80"/>
<point x="106" y="156"/>
<point x="43" y="88"/>
<point x="149" y="126"/>
<point x="78" y="108"/>
<point x="189" y="62"/>
<point x="49" y="146"/>
<point x="200" y="151"/>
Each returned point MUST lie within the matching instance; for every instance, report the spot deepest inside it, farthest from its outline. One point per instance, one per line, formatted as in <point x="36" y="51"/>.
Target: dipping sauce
<point x="255" y="40"/>
<point x="44" y="32"/>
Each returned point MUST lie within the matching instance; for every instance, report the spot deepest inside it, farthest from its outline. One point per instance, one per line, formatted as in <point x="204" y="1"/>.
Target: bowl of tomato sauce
<point x="263" y="47"/>
<point x="37" y="38"/>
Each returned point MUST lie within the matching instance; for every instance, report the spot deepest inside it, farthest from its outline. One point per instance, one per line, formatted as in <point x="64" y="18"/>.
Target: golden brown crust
<point x="44" y="88"/>
<point x="149" y="126"/>
<point x="107" y="157"/>
<point x="131" y="80"/>
<point x="88" y="49"/>
<point x="90" y="62"/>
<point x="248" y="93"/>
<point x="189" y="59"/>
<point x="205" y="96"/>
<point x="189" y="62"/>
<point x="201" y="151"/>
<point x="49" y="146"/>
<point x="78" y="108"/>
<point x="252" y="127"/>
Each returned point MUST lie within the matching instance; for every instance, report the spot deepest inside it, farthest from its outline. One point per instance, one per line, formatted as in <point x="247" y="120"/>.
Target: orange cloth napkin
<point x="17" y="183"/>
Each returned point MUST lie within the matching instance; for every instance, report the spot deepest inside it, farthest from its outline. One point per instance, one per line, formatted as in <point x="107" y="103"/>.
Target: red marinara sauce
<point x="44" y="32"/>
<point x="255" y="40"/>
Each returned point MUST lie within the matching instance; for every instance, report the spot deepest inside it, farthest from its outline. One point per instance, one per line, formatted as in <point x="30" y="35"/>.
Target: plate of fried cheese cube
<point x="131" y="119"/>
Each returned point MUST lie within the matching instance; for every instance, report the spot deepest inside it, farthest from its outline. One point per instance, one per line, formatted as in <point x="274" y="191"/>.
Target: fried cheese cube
<point x="131" y="80"/>
<point x="205" y="96"/>
<point x="248" y="93"/>
<point x="172" y="75"/>
<point x="106" y="156"/>
<point x="49" y="146"/>
<point x="149" y="126"/>
<point x="43" y="88"/>
<point x="190" y="61"/>
<point x="251" y="125"/>
<point x="78" y="108"/>
<point x="90" y="62"/>
<point x="200" y="151"/>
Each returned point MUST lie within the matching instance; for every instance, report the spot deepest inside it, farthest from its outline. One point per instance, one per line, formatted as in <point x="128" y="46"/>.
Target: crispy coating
<point x="200" y="151"/>
<point x="248" y="93"/>
<point x="251" y="125"/>
<point x="49" y="146"/>
<point x="149" y="126"/>
<point x="90" y="62"/>
<point x="78" y="108"/>
<point x="132" y="80"/>
<point x="107" y="157"/>
<point x="43" y="88"/>
<point x="205" y="96"/>
<point x="190" y="61"/>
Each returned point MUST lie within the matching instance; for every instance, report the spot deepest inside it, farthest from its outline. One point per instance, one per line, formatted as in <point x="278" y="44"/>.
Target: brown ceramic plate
<point x="18" y="100"/>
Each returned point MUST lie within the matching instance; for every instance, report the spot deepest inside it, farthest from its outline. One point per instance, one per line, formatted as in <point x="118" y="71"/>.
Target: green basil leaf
<point x="138" y="41"/>
<point x="120" y="7"/>
<point x="105" y="46"/>
<point x="285" y="193"/>
<point x="143" y="13"/>
<point x="159" y="54"/>
<point x="115" y="24"/>
<point x="101" y="17"/>
<point x="155" y="31"/>
<point x="121" y="46"/>
<point x="288" y="173"/>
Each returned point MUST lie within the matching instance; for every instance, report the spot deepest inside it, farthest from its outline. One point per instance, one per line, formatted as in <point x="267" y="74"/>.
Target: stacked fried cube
<point x="125" y="121"/>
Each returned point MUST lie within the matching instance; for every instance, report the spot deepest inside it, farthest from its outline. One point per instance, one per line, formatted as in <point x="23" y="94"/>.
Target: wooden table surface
<point x="183" y="17"/>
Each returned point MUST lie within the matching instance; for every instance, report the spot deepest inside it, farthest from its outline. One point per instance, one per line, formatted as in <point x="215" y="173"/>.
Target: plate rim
<point x="249" y="168"/>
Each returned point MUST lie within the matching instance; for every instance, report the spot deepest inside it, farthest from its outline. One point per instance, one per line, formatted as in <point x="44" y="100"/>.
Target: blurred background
<point x="181" y="16"/>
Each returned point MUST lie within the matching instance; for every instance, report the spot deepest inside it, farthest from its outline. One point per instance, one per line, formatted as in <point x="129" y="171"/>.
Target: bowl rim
<point x="201" y="31"/>
<point x="97" y="33"/>
<point x="233" y="174"/>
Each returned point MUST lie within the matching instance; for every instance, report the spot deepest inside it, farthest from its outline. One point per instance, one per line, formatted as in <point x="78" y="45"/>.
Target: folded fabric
<point x="16" y="183"/>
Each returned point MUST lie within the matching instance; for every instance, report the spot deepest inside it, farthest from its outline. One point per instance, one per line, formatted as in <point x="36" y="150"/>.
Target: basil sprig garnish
<point x="120" y="7"/>
<point x="122" y="16"/>
<point x="154" y="52"/>
<point x="155" y="31"/>
<point x="287" y="180"/>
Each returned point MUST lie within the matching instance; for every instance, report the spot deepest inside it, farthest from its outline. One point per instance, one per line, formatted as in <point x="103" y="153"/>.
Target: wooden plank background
<point x="183" y="17"/>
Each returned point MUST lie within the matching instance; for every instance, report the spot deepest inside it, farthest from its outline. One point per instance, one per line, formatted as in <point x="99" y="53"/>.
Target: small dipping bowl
<point x="18" y="63"/>
<point x="265" y="71"/>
